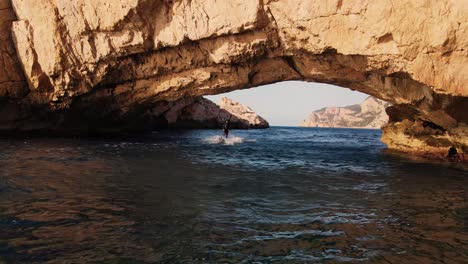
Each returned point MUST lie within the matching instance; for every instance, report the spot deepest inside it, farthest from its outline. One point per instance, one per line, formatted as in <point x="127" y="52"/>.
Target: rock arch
<point x="83" y="65"/>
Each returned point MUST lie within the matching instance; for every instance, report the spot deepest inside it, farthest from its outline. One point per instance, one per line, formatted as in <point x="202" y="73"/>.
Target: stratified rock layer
<point x="203" y="113"/>
<point x="106" y="65"/>
<point x="369" y="114"/>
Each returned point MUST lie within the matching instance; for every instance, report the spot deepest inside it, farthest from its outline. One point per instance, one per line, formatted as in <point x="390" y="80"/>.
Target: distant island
<point x="369" y="114"/>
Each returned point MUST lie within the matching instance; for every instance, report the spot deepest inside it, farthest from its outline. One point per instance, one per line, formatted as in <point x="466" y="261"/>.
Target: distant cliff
<point x="369" y="114"/>
<point x="203" y="113"/>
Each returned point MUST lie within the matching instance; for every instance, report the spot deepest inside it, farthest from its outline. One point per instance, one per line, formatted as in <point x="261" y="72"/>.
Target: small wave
<point x="295" y="234"/>
<point x="232" y="140"/>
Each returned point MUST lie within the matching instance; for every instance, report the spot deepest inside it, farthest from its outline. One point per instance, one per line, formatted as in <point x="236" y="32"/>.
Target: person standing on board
<point x="226" y="128"/>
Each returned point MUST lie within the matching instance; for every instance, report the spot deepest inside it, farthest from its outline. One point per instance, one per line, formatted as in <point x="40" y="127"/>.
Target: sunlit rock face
<point x="369" y="114"/>
<point x="106" y="65"/>
<point x="203" y="113"/>
<point x="13" y="86"/>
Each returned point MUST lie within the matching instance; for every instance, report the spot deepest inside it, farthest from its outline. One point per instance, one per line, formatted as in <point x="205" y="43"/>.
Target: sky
<point x="289" y="103"/>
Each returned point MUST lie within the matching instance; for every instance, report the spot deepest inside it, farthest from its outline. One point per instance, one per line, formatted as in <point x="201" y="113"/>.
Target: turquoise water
<point x="281" y="195"/>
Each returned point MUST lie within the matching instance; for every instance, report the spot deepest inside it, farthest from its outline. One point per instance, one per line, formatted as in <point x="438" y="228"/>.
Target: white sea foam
<point x="231" y="140"/>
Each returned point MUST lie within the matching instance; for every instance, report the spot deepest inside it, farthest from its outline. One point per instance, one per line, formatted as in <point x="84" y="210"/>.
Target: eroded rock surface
<point x="108" y="64"/>
<point x="12" y="81"/>
<point x="369" y="114"/>
<point x="203" y="113"/>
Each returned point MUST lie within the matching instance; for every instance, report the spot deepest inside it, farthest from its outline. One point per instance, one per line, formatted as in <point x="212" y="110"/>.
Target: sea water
<point x="280" y="195"/>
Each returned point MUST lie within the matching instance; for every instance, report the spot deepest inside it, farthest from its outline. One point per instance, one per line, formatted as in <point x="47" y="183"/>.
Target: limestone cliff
<point x="203" y="113"/>
<point x="106" y="65"/>
<point x="369" y="114"/>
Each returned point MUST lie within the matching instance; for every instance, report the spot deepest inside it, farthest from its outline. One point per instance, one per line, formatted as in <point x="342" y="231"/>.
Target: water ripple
<point x="283" y="195"/>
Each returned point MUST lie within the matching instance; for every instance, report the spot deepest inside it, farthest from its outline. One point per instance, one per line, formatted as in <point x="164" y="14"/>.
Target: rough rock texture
<point x="242" y="112"/>
<point x="369" y="114"/>
<point x="13" y="86"/>
<point x="12" y="82"/>
<point x="203" y="113"/>
<point x="105" y="65"/>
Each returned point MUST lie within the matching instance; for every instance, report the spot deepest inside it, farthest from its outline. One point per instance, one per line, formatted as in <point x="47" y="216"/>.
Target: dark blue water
<point x="282" y="195"/>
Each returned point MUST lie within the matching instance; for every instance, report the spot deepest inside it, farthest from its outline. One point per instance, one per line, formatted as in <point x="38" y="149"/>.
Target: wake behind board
<point x="225" y="141"/>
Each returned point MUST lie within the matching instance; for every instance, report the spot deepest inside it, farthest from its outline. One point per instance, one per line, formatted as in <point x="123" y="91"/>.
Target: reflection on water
<point x="282" y="195"/>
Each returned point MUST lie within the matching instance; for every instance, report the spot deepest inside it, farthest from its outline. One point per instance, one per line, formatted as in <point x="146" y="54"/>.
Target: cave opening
<point x="286" y="104"/>
<point x="290" y="103"/>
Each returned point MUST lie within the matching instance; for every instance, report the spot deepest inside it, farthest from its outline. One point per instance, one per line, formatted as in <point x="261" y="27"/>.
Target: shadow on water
<point x="281" y="195"/>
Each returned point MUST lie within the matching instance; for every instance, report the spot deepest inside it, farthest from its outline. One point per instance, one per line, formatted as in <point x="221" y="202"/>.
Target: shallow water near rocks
<point x="281" y="195"/>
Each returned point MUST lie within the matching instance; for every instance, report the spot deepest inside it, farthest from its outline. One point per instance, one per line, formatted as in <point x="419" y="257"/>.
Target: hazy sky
<point x="288" y="103"/>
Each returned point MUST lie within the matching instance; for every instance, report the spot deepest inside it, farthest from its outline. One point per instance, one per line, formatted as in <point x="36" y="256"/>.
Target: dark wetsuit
<point x="226" y="129"/>
<point x="453" y="155"/>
